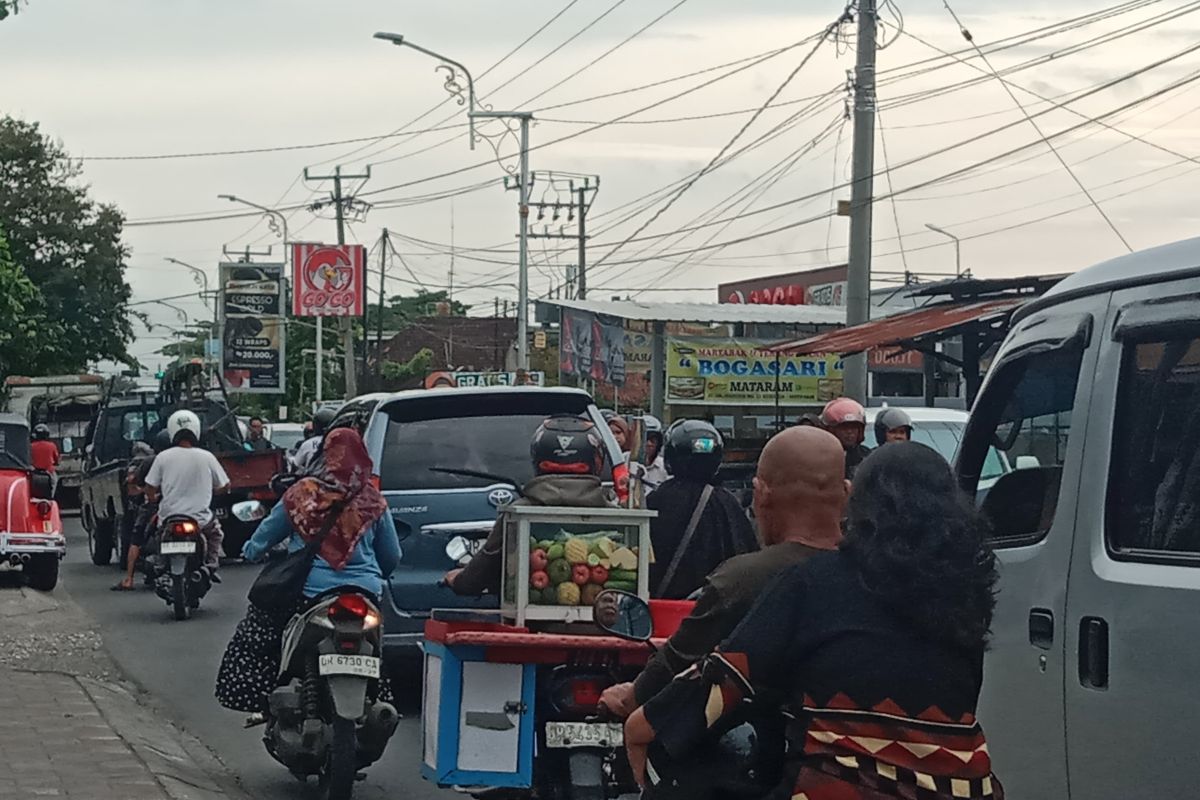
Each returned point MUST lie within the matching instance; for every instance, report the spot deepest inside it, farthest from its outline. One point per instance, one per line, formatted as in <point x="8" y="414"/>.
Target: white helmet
<point x="181" y="421"/>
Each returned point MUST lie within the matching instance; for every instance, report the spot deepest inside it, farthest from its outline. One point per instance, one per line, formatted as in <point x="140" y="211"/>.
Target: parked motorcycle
<point x="325" y="717"/>
<point x="175" y="565"/>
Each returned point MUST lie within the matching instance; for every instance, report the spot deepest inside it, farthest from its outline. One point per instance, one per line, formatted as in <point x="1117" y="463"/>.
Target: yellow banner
<point x="738" y="372"/>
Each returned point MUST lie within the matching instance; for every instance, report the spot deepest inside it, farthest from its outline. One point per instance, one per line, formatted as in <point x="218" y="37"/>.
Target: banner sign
<point x="253" y="328"/>
<point x="498" y="379"/>
<point x="739" y="372"/>
<point x="592" y="348"/>
<point x="328" y="280"/>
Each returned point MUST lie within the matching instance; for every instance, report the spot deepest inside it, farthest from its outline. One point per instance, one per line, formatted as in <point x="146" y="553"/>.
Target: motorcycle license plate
<point x="177" y="548"/>
<point x="584" y="734"/>
<point x="359" y="666"/>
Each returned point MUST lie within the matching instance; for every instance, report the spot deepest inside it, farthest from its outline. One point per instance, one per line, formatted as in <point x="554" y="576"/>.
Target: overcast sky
<point x="147" y="77"/>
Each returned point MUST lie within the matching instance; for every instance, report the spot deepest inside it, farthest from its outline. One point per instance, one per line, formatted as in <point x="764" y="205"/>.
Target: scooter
<point x="325" y="717"/>
<point x="175" y="563"/>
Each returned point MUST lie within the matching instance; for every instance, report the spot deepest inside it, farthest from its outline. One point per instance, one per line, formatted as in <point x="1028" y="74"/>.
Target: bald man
<point x="800" y="494"/>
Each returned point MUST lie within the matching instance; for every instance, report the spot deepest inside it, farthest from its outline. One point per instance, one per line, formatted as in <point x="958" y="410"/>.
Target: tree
<point x="25" y="329"/>
<point x="9" y="7"/>
<point x="400" y="311"/>
<point x="404" y="375"/>
<point x="68" y="246"/>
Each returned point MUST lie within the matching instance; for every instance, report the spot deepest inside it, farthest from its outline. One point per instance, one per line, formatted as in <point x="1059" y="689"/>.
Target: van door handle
<point x="1041" y="628"/>
<point x="1093" y="653"/>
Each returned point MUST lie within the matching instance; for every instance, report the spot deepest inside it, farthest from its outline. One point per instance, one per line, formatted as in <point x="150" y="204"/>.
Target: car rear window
<point x="465" y="432"/>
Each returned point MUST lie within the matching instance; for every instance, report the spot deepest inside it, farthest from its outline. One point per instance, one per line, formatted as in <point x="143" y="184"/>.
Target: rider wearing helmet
<point x="893" y="425"/>
<point x="846" y="419"/>
<point x="568" y="455"/>
<point x="699" y="525"/>
<point x="183" y="480"/>
<point x="137" y="528"/>
<point x="311" y="446"/>
<point x="655" y="473"/>
<point x="43" y="451"/>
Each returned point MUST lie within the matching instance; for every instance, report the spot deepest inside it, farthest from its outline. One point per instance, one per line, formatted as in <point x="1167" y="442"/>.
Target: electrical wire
<point x="887" y="171"/>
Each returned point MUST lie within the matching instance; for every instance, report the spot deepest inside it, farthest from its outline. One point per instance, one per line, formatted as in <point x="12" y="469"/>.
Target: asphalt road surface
<point x="176" y="662"/>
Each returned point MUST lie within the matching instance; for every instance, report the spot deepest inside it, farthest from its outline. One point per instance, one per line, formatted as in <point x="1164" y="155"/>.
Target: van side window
<point x="1154" y="480"/>
<point x="1027" y="416"/>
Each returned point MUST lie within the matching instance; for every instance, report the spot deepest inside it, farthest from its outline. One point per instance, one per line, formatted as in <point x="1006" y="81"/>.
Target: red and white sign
<point x="328" y="280"/>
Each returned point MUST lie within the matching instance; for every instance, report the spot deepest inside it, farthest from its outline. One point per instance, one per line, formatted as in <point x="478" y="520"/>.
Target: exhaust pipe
<point x="15" y="559"/>
<point x="25" y="558"/>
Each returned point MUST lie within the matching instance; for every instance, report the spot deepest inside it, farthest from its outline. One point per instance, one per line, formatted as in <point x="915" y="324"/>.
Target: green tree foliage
<point x="400" y="311"/>
<point x="25" y="330"/>
<point x="9" y="7"/>
<point x="68" y="246"/>
<point x="404" y="374"/>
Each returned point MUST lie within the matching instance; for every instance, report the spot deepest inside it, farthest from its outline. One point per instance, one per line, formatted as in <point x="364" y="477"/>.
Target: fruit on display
<point x="581" y="574"/>
<point x="568" y="594"/>
<point x="576" y="550"/>
<point x="539" y="580"/>
<point x="589" y="593"/>
<point x="623" y="558"/>
<point x="599" y="575"/>
<point x="555" y="551"/>
<point x="559" y="571"/>
<point x="538" y="560"/>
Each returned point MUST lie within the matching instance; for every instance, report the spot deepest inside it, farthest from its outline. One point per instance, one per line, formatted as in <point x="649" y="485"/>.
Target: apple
<point x="581" y="574"/>
<point x="538" y="560"/>
<point x="599" y="575"/>
<point x="539" y="580"/>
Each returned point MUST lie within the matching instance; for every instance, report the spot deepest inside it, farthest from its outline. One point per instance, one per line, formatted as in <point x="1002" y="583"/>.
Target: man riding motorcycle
<point x="182" y="481"/>
<point x="568" y="455"/>
<point x="846" y="419"/>
<point x="799" y="499"/>
<point x="699" y="525"/>
<point x="309" y="449"/>
<point x="139" y="527"/>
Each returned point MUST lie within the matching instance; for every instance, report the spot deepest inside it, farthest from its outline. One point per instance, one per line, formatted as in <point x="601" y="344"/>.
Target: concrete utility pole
<point x="581" y="201"/>
<point x="340" y="202"/>
<point x="583" y="206"/>
<point x="384" y="242"/>
<point x="862" y="195"/>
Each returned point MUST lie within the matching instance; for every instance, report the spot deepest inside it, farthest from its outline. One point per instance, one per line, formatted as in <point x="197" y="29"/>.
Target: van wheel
<point x="101" y="543"/>
<point x="42" y="571"/>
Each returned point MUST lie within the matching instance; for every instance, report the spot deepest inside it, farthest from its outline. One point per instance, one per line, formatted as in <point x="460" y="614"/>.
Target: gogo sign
<point x="327" y="280"/>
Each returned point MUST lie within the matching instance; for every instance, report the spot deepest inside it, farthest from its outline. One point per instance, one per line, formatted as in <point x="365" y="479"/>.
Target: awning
<point x="899" y="328"/>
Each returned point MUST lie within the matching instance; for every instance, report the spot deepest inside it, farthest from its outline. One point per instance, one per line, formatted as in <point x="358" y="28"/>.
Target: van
<point x="413" y="435"/>
<point x="1094" y="396"/>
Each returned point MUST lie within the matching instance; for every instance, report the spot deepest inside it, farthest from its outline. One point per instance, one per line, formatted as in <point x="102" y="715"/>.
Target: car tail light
<point x="184" y="528"/>
<point x="354" y="606"/>
<point x="43" y="507"/>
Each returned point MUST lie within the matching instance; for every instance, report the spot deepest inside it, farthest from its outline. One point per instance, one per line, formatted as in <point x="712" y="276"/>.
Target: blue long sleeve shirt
<point x="375" y="556"/>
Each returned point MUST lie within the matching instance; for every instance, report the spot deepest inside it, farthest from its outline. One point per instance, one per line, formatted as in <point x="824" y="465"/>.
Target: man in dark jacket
<point x="568" y="455"/>
<point x="693" y="451"/>
<point x="799" y="498"/>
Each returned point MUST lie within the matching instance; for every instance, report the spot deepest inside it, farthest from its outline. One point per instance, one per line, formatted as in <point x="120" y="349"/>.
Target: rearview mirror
<point x="623" y="614"/>
<point x="249" y="511"/>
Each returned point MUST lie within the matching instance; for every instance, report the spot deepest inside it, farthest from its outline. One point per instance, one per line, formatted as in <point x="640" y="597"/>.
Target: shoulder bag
<point x="280" y="583"/>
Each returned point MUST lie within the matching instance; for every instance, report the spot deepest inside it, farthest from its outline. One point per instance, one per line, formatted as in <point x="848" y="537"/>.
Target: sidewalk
<point x="76" y="733"/>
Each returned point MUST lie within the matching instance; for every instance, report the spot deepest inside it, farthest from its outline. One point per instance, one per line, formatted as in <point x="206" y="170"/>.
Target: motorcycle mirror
<point x="623" y="615"/>
<point x="249" y="511"/>
<point x="458" y="550"/>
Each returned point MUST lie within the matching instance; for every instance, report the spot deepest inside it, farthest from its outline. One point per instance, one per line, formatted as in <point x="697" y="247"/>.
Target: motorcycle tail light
<point x="585" y="693"/>
<point x="186" y="528"/>
<point x="350" y="605"/>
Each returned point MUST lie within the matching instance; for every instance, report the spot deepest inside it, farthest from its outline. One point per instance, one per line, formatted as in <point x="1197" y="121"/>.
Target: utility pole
<point x="340" y="203"/>
<point x="862" y="191"/>
<point x="581" y="198"/>
<point x="384" y="243"/>
<point x="522" y="188"/>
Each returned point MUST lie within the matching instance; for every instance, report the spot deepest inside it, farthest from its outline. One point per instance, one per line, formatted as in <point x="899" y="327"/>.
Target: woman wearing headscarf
<point x="360" y="550"/>
<point x="876" y="649"/>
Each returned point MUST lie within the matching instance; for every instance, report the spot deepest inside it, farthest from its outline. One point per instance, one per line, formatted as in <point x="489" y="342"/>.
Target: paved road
<point x="176" y="662"/>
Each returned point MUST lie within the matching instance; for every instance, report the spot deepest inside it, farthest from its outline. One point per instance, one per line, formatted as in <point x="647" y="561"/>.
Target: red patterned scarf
<point x="345" y="482"/>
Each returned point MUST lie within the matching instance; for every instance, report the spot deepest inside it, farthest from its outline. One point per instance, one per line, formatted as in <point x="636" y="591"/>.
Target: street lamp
<point x="455" y="89"/>
<point x="957" y="247"/>
<point x="202" y="280"/>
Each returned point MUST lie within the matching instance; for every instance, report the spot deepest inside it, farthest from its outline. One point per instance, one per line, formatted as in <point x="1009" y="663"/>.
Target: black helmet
<point x="889" y="419"/>
<point x="162" y="440"/>
<point x="566" y="445"/>
<point x="41" y="431"/>
<point x="322" y="420"/>
<point x="693" y="449"/>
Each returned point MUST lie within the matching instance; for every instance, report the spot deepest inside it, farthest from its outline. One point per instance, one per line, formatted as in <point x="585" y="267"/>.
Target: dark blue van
<point x="409" y="434"/>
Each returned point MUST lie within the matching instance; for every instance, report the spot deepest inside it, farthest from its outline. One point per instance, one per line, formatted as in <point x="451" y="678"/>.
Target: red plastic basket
<point x="667" y="614"/>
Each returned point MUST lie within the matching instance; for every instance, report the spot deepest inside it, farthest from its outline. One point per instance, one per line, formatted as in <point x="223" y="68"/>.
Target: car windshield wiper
<point x="484" y="476"/>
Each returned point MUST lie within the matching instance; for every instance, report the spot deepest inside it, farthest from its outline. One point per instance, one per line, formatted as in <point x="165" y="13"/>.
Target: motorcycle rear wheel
<point x="343" y="760"/>
<point x="179" y="602"/>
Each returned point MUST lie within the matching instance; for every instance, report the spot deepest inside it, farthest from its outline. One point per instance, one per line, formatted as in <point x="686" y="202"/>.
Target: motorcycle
<point x="325" y="717"/>
<point x="741" y="758"/>
<point x="175" y="565"/>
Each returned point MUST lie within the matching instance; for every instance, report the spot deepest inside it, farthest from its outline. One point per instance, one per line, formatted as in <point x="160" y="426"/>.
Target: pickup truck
<point x="122" y="420"/>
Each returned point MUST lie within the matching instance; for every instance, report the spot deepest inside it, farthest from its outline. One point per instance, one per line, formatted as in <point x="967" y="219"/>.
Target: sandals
<point x="121" y="587"/>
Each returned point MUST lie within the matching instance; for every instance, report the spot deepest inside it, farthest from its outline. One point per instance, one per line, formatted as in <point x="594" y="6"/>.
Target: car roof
<point x="1154" y="265"/>
<point x="422" y="394"/>
<point x="923" y="414"/>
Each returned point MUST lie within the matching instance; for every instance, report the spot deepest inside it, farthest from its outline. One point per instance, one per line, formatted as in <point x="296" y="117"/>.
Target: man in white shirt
<point x="302" y="459"/>
<point x="184" y="479"/>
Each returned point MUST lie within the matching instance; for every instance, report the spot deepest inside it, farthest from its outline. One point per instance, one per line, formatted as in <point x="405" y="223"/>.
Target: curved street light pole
<point x="203" y="276"/>
<point x="456" y="90"/>
<point x="957" y="247"/>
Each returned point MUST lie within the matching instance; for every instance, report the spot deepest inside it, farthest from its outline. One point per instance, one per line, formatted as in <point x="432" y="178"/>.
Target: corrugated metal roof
<point x="708" y="312"/>
<point x="900" y="327"/>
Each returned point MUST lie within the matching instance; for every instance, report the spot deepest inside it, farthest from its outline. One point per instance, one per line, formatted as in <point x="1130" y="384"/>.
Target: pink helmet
<point x="842" y="410"/>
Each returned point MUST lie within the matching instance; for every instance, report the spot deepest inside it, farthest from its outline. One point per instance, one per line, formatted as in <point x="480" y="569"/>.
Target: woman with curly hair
<point x="877" y="649"/>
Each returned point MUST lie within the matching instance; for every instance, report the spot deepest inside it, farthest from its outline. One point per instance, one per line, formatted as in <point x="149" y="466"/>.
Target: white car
<point x="284" y="435"/>
<point x="942" y="429"/>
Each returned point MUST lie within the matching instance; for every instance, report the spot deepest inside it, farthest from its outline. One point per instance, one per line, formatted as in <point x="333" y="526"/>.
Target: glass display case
<point x="557" y="559"/>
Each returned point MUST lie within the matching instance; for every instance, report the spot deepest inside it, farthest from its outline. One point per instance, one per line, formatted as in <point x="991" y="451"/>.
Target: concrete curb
<point x="183" y="766"/>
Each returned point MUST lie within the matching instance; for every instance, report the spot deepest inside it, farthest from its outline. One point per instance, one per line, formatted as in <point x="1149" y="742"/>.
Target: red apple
<point x="599" y="575"/>
<point x="581" y="574"/>
<point x="538" y="561"/>
<point x="539" y="580"/>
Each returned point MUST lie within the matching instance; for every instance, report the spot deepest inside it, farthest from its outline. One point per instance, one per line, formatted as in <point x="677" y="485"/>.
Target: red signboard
<point x="824" y="286"/>
<point x="893" y="359"/>
<point x="328" y="280"/>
